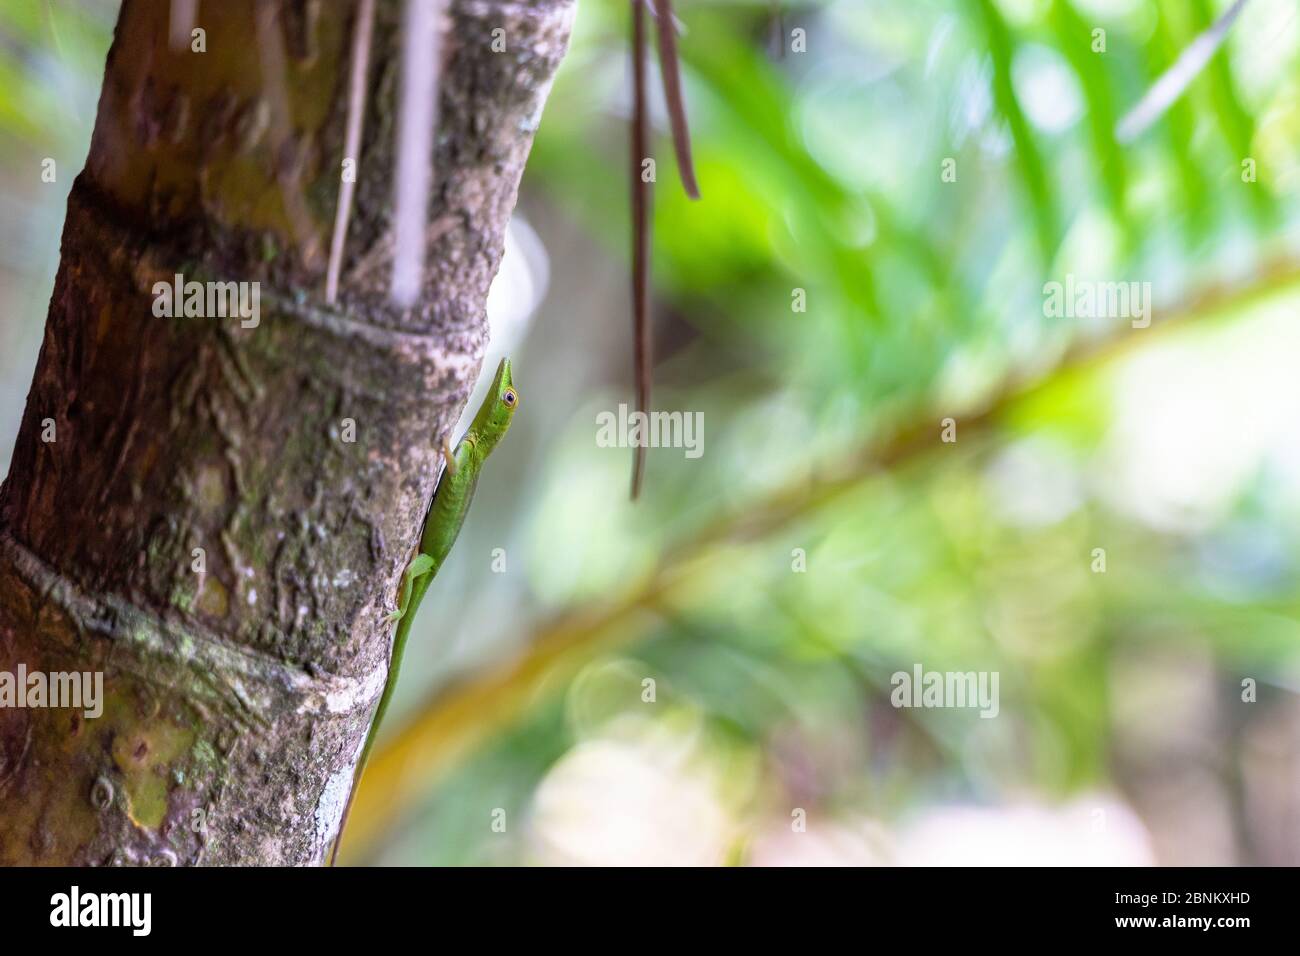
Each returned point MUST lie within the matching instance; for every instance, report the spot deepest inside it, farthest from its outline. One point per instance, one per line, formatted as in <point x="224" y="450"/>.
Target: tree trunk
<point x="185" y="513"/>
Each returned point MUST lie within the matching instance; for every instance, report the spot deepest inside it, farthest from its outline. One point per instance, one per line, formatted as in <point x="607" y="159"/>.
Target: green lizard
<point x="442" y="524"/>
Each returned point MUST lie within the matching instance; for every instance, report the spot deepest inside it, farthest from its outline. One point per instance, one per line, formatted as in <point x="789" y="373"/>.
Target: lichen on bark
<point x="199" y="530"/>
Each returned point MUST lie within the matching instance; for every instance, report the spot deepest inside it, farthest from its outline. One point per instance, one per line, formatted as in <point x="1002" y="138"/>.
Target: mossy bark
<point x="236" y="697"/>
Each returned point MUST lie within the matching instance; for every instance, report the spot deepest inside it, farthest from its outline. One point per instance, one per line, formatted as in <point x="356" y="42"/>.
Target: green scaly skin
<point x="442" y="524"/>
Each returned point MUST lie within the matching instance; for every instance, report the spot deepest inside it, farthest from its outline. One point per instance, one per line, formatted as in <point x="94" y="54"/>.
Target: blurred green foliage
<point x="822" y="171"/>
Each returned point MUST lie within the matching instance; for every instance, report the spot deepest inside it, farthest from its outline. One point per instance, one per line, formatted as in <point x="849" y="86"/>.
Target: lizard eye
<point x="509" y="397"/>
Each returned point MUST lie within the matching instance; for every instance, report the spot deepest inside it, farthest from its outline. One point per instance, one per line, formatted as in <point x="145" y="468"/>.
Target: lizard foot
<point x="448" y="456"/>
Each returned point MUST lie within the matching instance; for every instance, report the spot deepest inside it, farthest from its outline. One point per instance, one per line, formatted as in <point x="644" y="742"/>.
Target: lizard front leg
<point x="420" y="565"/>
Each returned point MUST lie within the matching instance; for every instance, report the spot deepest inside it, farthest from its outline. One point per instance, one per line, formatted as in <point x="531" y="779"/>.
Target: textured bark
<point x="236" y="699"/>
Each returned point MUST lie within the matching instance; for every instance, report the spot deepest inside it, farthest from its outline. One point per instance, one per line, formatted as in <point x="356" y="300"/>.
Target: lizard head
<point x="498" y="409"/>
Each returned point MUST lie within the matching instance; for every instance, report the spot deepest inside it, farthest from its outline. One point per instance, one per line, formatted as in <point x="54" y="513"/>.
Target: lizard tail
<point x="394" y="667"/>
<point x="343" y="823"/>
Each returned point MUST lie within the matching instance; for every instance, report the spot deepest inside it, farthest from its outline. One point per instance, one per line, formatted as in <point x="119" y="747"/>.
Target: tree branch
<point x="202" y="530"/>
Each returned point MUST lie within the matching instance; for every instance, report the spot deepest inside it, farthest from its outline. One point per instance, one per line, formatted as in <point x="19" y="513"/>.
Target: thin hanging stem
<point x="641" y="196"/>
<point x="184" y="16"/>
<point x="1175" y="80"/>
<point x="671" y="73"/>
<point x="416" y="118"/>
<point x="361" y="34"/>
